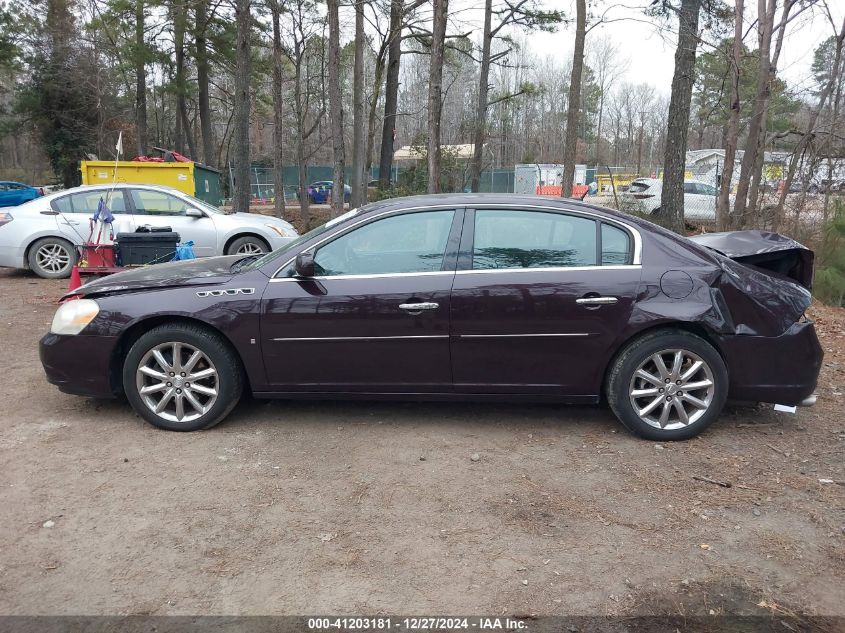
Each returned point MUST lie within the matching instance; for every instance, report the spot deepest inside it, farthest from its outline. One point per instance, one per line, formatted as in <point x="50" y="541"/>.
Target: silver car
<point x="699" y="198"/>
<point x="41" y="235"/>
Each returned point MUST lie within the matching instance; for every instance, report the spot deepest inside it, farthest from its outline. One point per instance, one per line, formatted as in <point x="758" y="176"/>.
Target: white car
<point x="41" y="235"/>
<point x="699" y="197"/>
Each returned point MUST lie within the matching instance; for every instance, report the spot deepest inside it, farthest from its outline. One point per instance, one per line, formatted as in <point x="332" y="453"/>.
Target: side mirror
<point x="304" y="266"/>
<point x="194" y="213"/>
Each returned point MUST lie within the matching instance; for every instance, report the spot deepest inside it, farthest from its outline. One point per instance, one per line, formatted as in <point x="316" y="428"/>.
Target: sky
<point x="650" y="44"/>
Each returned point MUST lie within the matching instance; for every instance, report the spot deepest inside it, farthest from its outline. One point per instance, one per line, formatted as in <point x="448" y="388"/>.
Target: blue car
<point x="318" y="192"/>
<point x="14" y="193"/>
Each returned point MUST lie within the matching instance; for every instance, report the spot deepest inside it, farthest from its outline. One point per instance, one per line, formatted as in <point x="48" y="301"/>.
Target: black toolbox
<point x="135" y="249"/>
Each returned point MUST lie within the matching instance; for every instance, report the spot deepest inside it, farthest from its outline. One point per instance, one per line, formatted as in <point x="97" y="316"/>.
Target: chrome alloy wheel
<point x="53" y="258"/>
<point x="250" y="248"/>
<point x="672" y="389"/>
<point x="177" y="382"/>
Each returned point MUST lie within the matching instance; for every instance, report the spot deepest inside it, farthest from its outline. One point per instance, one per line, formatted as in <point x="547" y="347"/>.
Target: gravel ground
<point x="327" y="507"/>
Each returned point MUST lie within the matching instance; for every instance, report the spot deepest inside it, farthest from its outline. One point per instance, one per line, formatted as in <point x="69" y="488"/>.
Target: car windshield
<point x="291" y="247"/>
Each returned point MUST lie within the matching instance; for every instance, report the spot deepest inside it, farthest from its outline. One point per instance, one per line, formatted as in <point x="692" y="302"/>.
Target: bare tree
<point x="808" y="134"/>
<point x="732" y="132"/>
<point x="435" y="92"/>
<point x="574" y="103"/>
<point x="391" y="93"/>
<point x="604" y="59"/>
<point x="140" y="77"/>
<point x="336" y="109"/>
<point x="672" y="194"/>
<point x="243" y="20"/>
<point x="278" y="112"/>
<point x="201" y="20"/>
<point x="359" y="122"/>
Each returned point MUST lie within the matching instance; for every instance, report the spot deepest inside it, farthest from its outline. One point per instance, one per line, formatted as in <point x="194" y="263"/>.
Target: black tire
<point x="247" y="242"/>
<point x="229" y="374"/>
<point x="38" y="258"/>
<point x="638" y="352"/>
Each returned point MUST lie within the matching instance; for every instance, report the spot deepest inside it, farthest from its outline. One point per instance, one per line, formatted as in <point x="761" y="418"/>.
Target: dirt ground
<point x="352" y="508"/>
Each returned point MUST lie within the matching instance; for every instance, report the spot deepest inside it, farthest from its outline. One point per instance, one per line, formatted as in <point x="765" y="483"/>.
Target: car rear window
<point x="637" y="187"/>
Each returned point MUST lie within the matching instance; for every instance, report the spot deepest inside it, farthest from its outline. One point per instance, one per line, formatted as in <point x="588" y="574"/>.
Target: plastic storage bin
<point x="136" y="249"/>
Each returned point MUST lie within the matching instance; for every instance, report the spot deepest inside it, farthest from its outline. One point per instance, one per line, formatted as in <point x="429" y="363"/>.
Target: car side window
<point x="532" y="239"/>
<point x="88" y="201"/>
<point x="689" y="187"/>
<point x="706" y="190"/>
<point x="150" y="202"/>
<point x="409" y="243"/>
<point x="615" y="246"/>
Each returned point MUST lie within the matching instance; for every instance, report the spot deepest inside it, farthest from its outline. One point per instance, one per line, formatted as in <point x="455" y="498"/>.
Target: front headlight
<point x="282" y="231"/>
<point x="72" y="317"/>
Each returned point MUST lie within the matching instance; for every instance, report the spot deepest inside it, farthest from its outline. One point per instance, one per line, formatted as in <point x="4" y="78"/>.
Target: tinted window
<point x="157" y="203"/>
<point x="410" y="243"/>
<point x="615" y="246"/>
<point x="707" y="190"/>
<point x="532" y="239"/>
<point x="87" y="202"/>
<point x="638" y="187"/>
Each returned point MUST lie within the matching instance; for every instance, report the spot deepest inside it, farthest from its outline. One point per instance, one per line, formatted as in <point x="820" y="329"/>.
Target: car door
<point x="160" y="209"/>
<point x="539" y="297"/>
<point x="375" y="318"/>
<point x="74" y="212"/>
<point x="6" y="196"/>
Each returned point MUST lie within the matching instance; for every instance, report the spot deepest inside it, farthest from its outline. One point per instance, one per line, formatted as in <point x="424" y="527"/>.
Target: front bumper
<point x="80" y="364"/>
<point x="781" y="369"/>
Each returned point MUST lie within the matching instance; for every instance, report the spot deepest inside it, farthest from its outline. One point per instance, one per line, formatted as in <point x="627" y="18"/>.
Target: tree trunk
<point x="336" y="109"/>
<point x="243" y="68"/>
<point x="359" y="121"/>
<point x="140" y="78"/>
<point x="723" y="218"/>
<point x="206" y="130"/>
<point x="278" y="121"/>
<point x="435" y="96"/>
<point x="481" y="107"/>
<point x="574" y="104"/>
<point x="757" y="123"/>
<point x="672" y="195"/>
<point x="391" y="94"/>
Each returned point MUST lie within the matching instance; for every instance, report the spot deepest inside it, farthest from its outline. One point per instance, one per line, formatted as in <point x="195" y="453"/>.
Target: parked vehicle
<point x="457" y="297"/>
<point x="13" y="194"/>
<point x="42" y="234"/>
<point x="320" y="191"/>
<point x="699" y="197"/>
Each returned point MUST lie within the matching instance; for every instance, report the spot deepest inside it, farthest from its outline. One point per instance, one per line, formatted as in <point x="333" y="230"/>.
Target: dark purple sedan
<point x="456" y="297"/>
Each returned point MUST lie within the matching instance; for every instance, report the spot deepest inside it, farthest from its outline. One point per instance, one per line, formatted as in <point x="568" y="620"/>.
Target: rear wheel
<point x="182" y="377"/>
<point x="668" y="385"/>
<point x="248" y="245"/>
<point x="52" y="258"/>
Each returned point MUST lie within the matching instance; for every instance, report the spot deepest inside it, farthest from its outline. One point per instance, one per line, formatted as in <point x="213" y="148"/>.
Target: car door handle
<point x="596" y="301"/>
<point x="416" y="308"/>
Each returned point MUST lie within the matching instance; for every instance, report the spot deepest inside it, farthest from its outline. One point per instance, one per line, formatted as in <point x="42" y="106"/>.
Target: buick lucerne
<point x="471" y="297"/>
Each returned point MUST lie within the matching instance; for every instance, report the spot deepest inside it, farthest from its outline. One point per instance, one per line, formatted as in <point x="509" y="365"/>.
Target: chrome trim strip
<point x="373" y="276"/>
<point x="638" y="242"/>
<point x="521" y="335"/>
<point x="359" y="338"/>
<point x="558" y="269"/>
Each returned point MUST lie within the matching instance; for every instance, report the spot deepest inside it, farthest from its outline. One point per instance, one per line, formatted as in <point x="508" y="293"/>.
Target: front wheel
<point x="668" y="385"/>
<point x="181" y="377"/>
<point x="52" y="258"/>
<point x="248" y="245"/>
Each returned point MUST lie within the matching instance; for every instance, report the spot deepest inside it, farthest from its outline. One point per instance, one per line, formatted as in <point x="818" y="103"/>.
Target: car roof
<point x="104" y="186"/>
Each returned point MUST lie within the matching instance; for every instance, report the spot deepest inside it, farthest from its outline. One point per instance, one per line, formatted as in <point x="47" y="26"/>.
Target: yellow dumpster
<point x="192" y="178"/>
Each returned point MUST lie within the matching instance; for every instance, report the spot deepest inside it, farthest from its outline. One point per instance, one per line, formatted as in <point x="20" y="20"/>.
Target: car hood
<point x="255" y="219"/>
<point x="193" y="272"/>
<point x="772" y="252"/>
